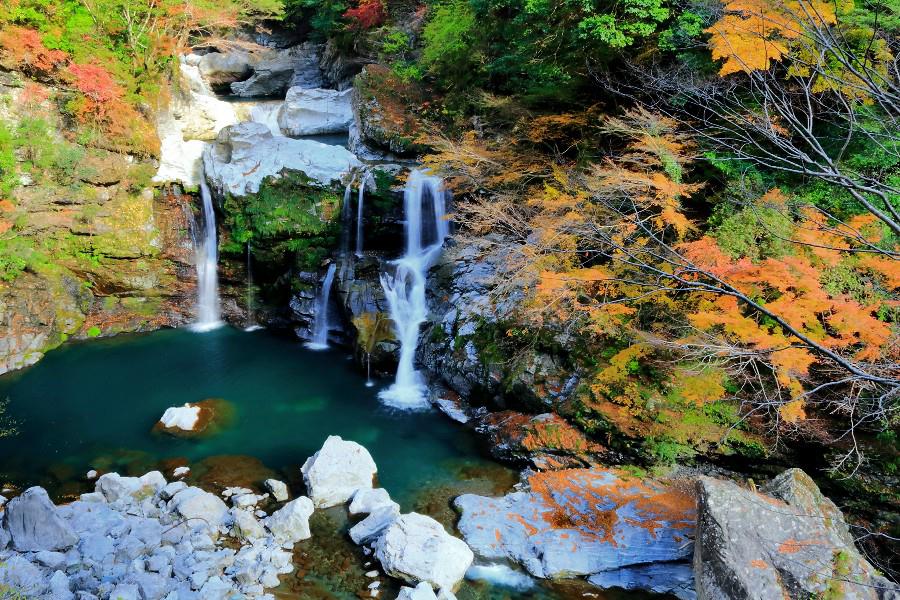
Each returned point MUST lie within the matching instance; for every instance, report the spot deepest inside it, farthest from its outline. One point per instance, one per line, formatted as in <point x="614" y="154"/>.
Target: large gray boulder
<point x="416" y="548"/>
<point x="277" y="70"/>
<point x="580" y="522"/>
<point x="33" y="523"/>
<point x="221" y="69"/>
<point x="315" y="111"/>
<point x="787" y="541"/>
<point x="335" y="473"/>
<point x="245" y="154"/>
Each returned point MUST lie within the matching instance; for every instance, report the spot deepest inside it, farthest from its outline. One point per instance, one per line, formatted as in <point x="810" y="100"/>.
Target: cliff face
<point x="89" y="248"/>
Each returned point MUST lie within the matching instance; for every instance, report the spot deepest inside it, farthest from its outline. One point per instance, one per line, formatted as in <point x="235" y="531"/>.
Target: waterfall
<point x="320" y="325"/>
<point x="252" y="325"/>
<point x="359" y="216"/>
<point x="206" y="259"/>
<point x="345" y="220"/>
<point x="267" y="114"/>
<point x="426" y="228"/>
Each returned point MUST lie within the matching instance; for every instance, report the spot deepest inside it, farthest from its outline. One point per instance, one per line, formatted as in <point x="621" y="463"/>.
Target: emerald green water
<point x="93" y="405"/>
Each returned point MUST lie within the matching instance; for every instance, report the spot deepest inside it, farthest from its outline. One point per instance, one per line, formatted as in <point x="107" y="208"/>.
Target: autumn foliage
<point x="367" y="14"/>
<point x="22" y="49"/>
<point x="753" y="34"/>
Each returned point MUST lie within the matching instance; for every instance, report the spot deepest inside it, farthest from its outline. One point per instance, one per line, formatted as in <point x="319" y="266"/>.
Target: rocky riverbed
<point x="146" y="538"/>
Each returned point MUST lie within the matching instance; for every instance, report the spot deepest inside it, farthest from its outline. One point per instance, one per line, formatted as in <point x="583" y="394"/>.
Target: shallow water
<point x="94" y="404"/>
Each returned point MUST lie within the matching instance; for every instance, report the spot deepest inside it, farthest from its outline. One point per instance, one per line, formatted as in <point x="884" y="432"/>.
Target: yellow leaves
<point x="792" y="412"/>
<point x="700" y="388"/>
<point x="753" y="34"/>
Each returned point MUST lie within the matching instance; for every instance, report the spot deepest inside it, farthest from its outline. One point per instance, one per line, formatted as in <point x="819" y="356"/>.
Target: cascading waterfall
<point x="426" y="229"/>
<point x="320" y="325"/>
<point x="206" y="257"/>
<point x="267" y="114"/>
<point x="359" y="216"/>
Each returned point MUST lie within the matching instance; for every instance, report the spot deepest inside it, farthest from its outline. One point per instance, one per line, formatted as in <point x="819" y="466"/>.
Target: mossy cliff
<point x="87" y="247"/>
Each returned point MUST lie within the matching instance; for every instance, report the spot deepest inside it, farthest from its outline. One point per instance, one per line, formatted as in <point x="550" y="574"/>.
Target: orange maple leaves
<point x="752" y="34"/>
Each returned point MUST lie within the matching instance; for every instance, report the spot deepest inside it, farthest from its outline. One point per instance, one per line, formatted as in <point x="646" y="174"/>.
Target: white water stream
<point x="426" y="229"/>
<point x="320" y="325"/>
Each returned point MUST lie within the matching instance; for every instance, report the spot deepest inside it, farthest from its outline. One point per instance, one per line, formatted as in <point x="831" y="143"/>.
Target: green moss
<point x="289" y="221"/>
<point x="94" y="332"/>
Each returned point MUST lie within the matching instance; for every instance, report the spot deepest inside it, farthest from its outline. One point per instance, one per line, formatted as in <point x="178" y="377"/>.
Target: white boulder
<point x="181" y="417"/>
<point x="335" y="473"/>
<point x="194" y="503"/>
<point x="278" y="489"/>
<point x="245" y="526"/>
<point x="245" y="154"/>
<point x="114" y="487"/>
<point x="366" y="500"/>
<point x="315" y="111"/>
<point x="369" y="529"/>
<point x="422" y="591"/>
<point x="181" y="471"/>
<point x="290" y="523"/>
<point x="416" y="548"/>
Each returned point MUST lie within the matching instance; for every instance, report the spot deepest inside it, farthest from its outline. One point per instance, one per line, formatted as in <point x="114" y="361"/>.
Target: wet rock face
<point x="260" y="71"/>
<point x="105" y="254"/>
<point x="789" y="541"/>
<point x="464" y="345"/>
<point x="582" y="522"/>
<point x="545" y="441"/>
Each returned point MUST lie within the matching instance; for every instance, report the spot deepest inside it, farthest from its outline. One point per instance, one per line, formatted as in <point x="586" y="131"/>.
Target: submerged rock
<point x="417" y="548"/>
<point x="579" y="522"/>
<point x="33" y="523"/>
<point x="245" y="154"/>
<point x="181" y="417"/>
<point x="335" y="473"/>
<point x="789" y="541"/>
<point x="315" y="111"/>
<point x="196" y="418"/>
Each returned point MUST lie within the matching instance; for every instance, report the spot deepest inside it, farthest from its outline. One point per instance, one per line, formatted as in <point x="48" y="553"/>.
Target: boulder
<point x="221" y="69"/>
<point x="366" y="500"/>
<point x="276" y="70"/>
<point x="369" y="529"/>
<point x="193" y="503"/>
<point x="579" y="522"/>
<point x="21" y="578"/>
<point x="245" y="526"/>
<point x="315" y="111"/>
<point x="422" y="591"/>
<point x="786" y="541"/>
<point x="181" y="417"/>
<point x="290" y="523"/>
<point x="114" y="487"/>
<point x="33" y="523"/>
<point x="673" y="578"/>
<point x="278" y="489"/>
<point x="416" y="548"/>
<point x="245" y="154"/>
<point x="335" y="473"/>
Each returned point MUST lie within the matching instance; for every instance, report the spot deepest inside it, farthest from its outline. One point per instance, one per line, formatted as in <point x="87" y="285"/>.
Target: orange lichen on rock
<point x="593" y="501"/>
